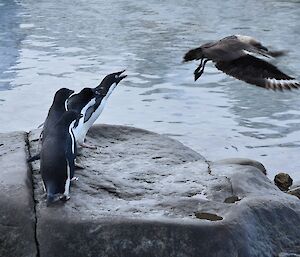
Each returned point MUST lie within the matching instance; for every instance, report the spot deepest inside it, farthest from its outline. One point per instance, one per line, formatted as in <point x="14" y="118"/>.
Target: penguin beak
<point x="264" y="48"/>
<point x="119" y="76"/>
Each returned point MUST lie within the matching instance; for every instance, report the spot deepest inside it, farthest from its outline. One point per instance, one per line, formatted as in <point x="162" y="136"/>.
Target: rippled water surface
<point x="45" y="45"/>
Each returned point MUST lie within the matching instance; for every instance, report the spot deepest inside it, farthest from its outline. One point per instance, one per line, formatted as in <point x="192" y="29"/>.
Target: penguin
<point x="55" y="112"/>
<point x="58" y="158"/>
<point x="91" y="104"/>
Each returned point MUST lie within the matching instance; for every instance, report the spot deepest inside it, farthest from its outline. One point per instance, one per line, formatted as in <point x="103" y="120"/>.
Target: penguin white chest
<point x="80" y="130"/>
<point x="100" y="108"/>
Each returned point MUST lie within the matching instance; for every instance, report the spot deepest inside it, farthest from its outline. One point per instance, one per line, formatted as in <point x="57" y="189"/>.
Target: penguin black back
<point x="57" y="157"/>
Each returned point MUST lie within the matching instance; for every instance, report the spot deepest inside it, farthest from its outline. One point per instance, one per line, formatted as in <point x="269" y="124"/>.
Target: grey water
<point x="46" y="45"/>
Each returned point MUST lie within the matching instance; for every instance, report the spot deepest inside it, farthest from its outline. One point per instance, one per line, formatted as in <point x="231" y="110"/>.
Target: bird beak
<point x="120" y="76"/>
<point x="264" y="48"/>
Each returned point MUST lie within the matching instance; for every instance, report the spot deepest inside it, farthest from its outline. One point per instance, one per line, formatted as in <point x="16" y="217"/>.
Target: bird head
<point x="193" y="54"/>
<point x="109" y="83"/>
<point x="62" y="95"/>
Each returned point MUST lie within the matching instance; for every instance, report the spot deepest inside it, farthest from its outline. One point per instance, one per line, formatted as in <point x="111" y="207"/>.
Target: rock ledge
<point x="143" y="194"/>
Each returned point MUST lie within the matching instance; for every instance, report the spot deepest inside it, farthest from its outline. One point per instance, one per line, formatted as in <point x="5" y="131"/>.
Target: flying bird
<point x="234" y="55"/>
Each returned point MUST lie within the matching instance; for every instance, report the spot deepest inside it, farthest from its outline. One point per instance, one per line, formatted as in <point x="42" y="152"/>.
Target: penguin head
<point x="62" y="95"/>
<point x="79" y="100"/>
<point x="86" y="94"/>
<point x="109" y="83"/>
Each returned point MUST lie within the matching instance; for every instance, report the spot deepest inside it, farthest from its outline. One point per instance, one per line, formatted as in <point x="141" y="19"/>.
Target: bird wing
<point x="230" y="48"/>
<point x="257" y="72"/>
<point x="88" y="113"/>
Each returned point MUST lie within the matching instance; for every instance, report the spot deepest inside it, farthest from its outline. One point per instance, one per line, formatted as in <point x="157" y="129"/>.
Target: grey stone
<point x="17" y="218"/>
<point x="232" y="199"/>
<point x="207" y="216"/>
<point x="283" y="181"/>
<point x="140" y="195"/>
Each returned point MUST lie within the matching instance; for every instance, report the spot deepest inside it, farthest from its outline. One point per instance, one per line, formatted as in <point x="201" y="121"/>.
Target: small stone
<point x="283" y="181"/>
<point x="207" y="216"/>
<point x="232" y="199"/>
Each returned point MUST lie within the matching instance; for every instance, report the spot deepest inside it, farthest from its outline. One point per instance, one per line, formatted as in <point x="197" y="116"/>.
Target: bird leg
<point x="79" y="165"/>
<point x="87" y="145"/>
<point x="198" y="72"/>
<point x="74" y="179"/>
<point x="64" y="197"/>
<point x="199" y="66"/>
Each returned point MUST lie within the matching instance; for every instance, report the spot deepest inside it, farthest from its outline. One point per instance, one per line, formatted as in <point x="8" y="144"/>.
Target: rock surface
<point x="17" y="218"/>
<point x="143" y="194"/>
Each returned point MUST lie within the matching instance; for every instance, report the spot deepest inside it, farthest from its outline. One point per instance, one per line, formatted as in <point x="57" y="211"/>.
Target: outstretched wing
<point x="231" y="48"/>
<point x="257" y="72"/>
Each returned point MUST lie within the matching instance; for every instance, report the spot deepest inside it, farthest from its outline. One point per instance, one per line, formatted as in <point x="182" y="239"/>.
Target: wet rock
<point x="143" y="194"/>
<point x="283" y="181"/>
<point x="17" y="219"/>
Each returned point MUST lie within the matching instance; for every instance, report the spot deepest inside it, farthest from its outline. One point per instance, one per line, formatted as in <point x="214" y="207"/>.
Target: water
<point x="46" y="45"/>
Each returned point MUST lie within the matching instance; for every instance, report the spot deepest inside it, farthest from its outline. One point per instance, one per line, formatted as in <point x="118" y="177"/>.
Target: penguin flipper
<point x="89" y="113"/>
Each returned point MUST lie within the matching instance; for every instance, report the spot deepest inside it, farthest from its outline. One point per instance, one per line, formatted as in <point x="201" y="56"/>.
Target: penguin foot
<point x="88" y="146"/>
<point x="74" y="179"/>
<point x="79" y="166"/>
<point x="64" y="198"/>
